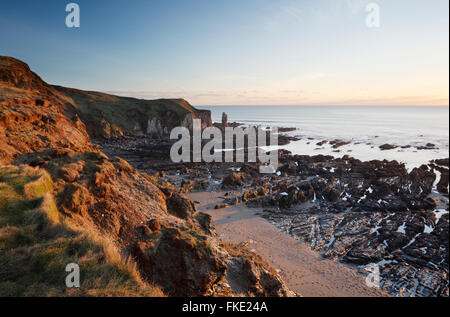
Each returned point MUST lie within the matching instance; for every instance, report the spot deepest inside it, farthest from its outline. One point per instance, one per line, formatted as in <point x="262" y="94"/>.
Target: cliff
<point x="107" y="115"/>
<point x="64" y="201"/>
<point x="104" y="115"/>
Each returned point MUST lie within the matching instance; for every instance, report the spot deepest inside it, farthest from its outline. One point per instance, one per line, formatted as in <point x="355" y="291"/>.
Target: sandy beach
<point x="304" y="271"/>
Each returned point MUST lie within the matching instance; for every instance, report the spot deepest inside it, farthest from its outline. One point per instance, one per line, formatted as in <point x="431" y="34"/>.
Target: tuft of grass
<point x="39" y="187"/>
<point x="15" y="179"/>
<point x="49" y="208"/>
<point x="7" y="195"/>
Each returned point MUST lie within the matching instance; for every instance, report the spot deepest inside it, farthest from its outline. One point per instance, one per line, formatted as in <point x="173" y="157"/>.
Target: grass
<point x="37" y="242"/>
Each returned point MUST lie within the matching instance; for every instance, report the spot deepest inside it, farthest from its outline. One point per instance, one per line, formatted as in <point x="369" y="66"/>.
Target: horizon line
<point x="316" y="105"/>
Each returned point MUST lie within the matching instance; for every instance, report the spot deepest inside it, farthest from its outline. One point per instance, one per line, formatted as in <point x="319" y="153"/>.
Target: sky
<point x="238" y="52"/>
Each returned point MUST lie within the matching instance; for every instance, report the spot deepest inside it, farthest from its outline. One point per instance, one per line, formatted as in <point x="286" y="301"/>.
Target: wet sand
<point x="304" y="271"/>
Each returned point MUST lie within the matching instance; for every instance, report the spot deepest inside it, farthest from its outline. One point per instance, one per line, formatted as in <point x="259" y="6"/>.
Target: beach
<point x="304" y="270"/>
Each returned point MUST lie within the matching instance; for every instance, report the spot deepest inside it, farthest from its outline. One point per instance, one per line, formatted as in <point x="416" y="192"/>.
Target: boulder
<point x="206" y="223"/>
<point x="233" y="180"/>
<point x="386" y="147"/>
<point x="180" y="206"/>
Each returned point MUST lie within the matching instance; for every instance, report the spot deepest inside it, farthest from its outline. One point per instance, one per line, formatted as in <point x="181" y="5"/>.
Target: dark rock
<point x="224" y="119"/>
<point x="233" y="180"/>
<point x="180" y="206"/>
<point x="206" y="223"/>
<point x="221" y="206"/>
<point x="386" y="147"/>
<point x="154" y="225"/>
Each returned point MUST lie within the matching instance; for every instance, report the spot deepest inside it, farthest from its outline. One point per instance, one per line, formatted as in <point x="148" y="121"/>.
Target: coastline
<point x="356" y="212"/>
<point x="303" y="270"/>
<point x="410" y="134"/>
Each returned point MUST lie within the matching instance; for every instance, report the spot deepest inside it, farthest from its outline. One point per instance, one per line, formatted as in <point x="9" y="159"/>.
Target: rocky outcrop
<point x="367" y="213"/>
<point x="16" y="77"/>
<point x="204" y="116"/>
<point x="386" y="147"/>
<point x="233" y="180"/>
<point x="33" y="116"/>
<point x="224" y="119"/>
<point x="155" y="128"/>
<point x="190" y="263"/>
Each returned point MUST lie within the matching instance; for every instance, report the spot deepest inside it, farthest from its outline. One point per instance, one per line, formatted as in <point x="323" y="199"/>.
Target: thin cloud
<point x="279" y="97"/>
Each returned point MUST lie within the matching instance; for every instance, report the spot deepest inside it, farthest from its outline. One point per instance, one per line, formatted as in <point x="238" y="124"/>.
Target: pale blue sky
<point x="248" y="52"/>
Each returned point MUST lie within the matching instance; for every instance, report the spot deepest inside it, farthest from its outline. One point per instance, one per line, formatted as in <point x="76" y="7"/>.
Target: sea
<point x="366" y="127"/>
